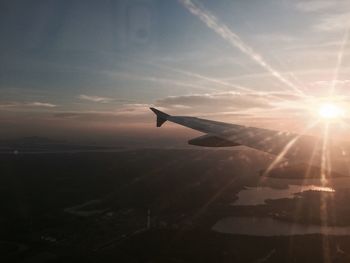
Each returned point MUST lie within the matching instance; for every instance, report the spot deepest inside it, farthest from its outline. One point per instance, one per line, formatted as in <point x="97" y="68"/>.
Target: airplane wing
<point x="219" y="134"/>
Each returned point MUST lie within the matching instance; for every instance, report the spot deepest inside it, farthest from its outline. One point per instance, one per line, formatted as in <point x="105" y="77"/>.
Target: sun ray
<point x="222" y="30"/>
<point x="280" y="157"/>
<point x="325" y="156"/>
<point x="185" y="73"/>
<point x="286" y="149"/>
<point x="236" y="87"/>
<point x="339" y="62"/>
<point x="299" y="206"/>
<point x="325" y="170"/>
<point x="202" y="77"/>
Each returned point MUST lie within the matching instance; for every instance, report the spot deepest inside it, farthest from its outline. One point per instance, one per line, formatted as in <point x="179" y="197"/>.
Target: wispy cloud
<point x="215" y="102"/>
<point x="160" y="80"/>
<point x="96" y="98"/>
<point x="319" y="46"/>
<point x="315" y="5"/>
<point x="331" y="16"/>
<point x="334" y="15"/>
<point x="341" y="85"/>
<point x="42" y="104"/>
<point x="127" y="113"/>
<point x="19" y="105"/>
<point x="8" y="104"/>
<point x="333" y="22"/>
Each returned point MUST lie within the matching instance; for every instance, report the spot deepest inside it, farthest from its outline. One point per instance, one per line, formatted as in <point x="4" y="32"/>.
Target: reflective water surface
<point x="272" y="188"/>
<point x="258" y="195"/>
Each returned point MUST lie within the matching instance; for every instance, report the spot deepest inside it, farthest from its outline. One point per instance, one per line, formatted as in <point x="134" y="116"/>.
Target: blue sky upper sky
<point x="68" y="66"/>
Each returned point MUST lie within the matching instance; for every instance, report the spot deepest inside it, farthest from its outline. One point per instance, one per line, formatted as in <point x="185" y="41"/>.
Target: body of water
<point x="258" y="195"/>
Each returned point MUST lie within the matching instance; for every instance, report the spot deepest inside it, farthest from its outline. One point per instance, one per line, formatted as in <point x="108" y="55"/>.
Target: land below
<point x="154" y="205"/>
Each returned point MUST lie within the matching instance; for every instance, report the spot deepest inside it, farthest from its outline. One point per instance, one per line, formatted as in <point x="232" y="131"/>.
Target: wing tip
<point x="161" y="116"/>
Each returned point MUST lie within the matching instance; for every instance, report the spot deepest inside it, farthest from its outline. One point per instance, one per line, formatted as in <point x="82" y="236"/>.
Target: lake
<point x="258" y="195"/>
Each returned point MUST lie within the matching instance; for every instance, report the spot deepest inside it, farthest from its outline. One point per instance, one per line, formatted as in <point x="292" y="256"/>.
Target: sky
<point x="88" y="70"/>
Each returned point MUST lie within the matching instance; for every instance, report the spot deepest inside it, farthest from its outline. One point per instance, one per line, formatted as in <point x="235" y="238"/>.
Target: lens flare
<point x="330" y="111"/>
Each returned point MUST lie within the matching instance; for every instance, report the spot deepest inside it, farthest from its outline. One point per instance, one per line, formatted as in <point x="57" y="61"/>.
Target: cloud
<point x="214" y="102"/>
<point x="8" y="104"/>
<point x="340" y="86"/>
<point x="218" y="104"/>
<point x="224" y="104"/>
<point x="19" y="105"/>
<point x="228" y="100"/>
<point x="127" y="113"/>
<point x="96" y="98"/>
<point x="315" y="5"/>
<point x="316" y="46"/>
<point x="335" y="15"/>
<point x="246" y="108"/>
<point x="42" y="104"/>
<point x="334" y="22"/>
<point x="86" y="116"/>
<point x="284" y="95"/>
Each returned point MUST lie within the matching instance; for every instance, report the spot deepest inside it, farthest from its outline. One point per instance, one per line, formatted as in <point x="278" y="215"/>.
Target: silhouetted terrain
<point x="40" y="144"/>
<point x="147" y="206"/>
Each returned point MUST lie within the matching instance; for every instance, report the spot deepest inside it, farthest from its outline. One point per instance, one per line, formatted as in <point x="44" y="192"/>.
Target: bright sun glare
<point x="330" y="111"/>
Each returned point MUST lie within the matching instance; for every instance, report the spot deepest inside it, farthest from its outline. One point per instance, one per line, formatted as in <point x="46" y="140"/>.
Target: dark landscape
<point x="152" y="205"/>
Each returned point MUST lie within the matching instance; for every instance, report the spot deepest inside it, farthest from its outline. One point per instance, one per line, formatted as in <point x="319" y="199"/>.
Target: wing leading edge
<point x="296" y="148"/>
<point x="293" y="146"/>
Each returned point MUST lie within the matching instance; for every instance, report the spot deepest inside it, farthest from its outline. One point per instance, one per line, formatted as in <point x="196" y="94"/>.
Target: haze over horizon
<point x="89" y="70"/>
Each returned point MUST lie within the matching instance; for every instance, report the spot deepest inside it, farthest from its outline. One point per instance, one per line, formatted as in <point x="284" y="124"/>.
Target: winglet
<point x="161" y="116"/>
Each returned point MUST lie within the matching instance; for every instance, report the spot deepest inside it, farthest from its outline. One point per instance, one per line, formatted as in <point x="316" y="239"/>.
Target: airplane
<point x="289" y="147"/>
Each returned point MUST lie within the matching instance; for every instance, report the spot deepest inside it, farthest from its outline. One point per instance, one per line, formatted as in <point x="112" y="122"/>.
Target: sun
<point x="330" y="111"/>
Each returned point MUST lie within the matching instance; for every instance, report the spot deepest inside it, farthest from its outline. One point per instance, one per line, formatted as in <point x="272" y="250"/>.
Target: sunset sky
<point x="89" y="70"/>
